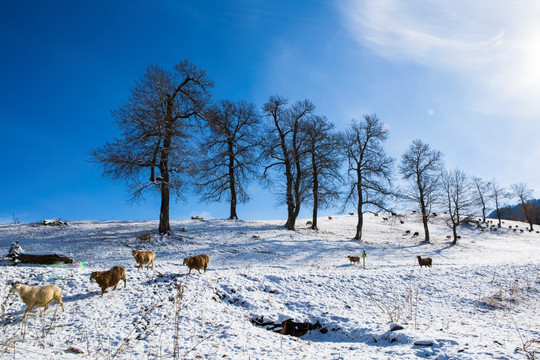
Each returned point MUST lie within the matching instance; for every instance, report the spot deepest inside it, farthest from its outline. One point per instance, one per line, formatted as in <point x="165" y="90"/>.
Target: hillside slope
<point x="481" y="298"/>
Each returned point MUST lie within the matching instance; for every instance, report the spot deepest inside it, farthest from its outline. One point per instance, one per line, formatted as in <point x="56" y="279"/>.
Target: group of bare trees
<point x="176" y="138"/>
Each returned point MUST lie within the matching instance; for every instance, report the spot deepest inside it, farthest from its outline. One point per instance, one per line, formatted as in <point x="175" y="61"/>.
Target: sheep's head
<point x="95" y="276"/>
<point x="134" y="252"/>
<point x="15" y="288"/>
<point x="186" y="260"/>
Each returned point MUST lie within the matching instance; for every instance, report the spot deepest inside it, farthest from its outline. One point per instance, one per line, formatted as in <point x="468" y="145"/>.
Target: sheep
<point x="145" y="237"/>
<point x="407" y="232"/>
<point x="416" y="234"/>
<point x="37" y="295"/>
<point x="197" y="262"/>
<point x="309" y="223"/>
<point x="424" y="261"/>
<point x="448" y="236"/>
<point x="106" y="279"/>
<point x="352" y="214"/>
<point x="329" y="218"/>
<point x="385" y="219"/>
<point x="354" y="259"/>
<point x="144" y="258"/>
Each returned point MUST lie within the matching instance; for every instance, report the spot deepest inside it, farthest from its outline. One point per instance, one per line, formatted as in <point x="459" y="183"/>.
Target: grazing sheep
<point x="329" y="218"/>
<point x="309" y="223"/>
<point x="197" y="262"/>
<point x="354" y="259"/>
<point x="37" y="295"/>
<point x="197" y="218"/>
<point x="416" y="234"/>
<point x="144" y="258"/>
<point x="424" y="261"/>
<point x="448" y="236"/>
<point x="352" y="214"/>
<point x="376" y="214"/>
<point x="385" y="219"/>
<point x="407" y="232"/>
<point x="145" y="237"/>
<point x="106" y="279"/>
<point x="401" y="222"/>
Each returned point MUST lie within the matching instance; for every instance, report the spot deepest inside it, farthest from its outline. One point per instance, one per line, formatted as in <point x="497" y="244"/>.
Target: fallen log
<point x="47" y="259"/>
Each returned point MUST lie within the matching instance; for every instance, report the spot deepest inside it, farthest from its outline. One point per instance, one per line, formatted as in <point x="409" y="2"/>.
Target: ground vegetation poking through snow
<point x="479" y="300"/>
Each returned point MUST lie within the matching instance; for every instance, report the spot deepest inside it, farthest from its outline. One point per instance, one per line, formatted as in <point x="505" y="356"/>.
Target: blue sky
<point x="462" y="77"/>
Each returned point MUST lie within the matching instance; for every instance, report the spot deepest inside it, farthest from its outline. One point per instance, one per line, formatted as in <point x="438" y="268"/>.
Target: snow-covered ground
<point x="480" y="300"/>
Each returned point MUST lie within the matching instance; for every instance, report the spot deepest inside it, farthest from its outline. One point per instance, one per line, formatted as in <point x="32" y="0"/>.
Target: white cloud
<point x="494" y="46"/>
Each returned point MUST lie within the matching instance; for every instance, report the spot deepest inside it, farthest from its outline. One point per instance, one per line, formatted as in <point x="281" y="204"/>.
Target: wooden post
<point x="364" y="258"/>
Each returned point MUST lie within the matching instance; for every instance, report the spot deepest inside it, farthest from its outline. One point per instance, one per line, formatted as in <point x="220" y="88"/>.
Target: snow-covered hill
<point x="480" y="300"/>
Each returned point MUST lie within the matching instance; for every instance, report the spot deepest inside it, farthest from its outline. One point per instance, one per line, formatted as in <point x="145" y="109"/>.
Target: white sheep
<point x="37" y="295"/>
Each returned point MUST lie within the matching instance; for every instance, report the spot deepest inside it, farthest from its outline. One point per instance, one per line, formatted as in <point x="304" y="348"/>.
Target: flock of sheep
<point x="44" y="295"/>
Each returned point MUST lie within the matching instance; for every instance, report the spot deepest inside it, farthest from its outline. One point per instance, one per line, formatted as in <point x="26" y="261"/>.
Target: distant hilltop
<point x="515" y="212"/>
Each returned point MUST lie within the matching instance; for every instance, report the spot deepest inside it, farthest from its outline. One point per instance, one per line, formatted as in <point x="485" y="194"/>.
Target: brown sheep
<point x="354" y="259"/>
<point x="329" y="218"/>
<point x="407" y="232"/>
<point x="37" y="295"/>
<point x="416" y="234"/>
<point x="424" y="261"/>
<point x="309" y="223"/>
<point x="145" y="237"/>
<point x="106" y="279"/>
<point x="197" y="262"/>
<point x="144" y="258"/>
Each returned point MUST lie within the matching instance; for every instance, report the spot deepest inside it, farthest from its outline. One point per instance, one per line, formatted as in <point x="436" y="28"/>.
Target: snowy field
<point x="480" y="300"/>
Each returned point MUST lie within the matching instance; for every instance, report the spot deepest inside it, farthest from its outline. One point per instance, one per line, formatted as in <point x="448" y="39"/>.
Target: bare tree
<point x="284" y="148"/>
<point x="228" y="155"/>
<point x="458" y="199"/>
<point x="324" y="147"/>
<point x="421" y="166"/>
<point x="524" y="194"/>
<point x="482" y="194"/>
<point x="498" y="194"/>
<point x="157" y="128"/>
<point x="370" y="169"/>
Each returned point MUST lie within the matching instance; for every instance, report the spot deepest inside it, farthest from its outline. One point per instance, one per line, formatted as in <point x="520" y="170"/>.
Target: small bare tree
<point x="498" y="194"/>
<point x="228" y="155"/>
<point x="157" y="123"/>
<point x="482" y="197"/>
<point x="284" y="147"/>
<point x="458" y="198"/>
<point x="370" y="169"/>
<point x="422" y="166"/>
<point x="524" y="194"/>
<point x="324" y="148"/>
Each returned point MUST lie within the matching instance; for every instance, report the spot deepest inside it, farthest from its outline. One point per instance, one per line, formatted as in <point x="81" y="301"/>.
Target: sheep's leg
<point x="125" y="284"/>
<point x="199" y="271"/>
<point x="28" y="308"/>
<point x="189" y="271"/>
<point x="59" y="300"/>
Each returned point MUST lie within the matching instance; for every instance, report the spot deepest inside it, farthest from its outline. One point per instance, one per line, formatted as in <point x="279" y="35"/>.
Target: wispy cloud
<point x="494" y="45"/>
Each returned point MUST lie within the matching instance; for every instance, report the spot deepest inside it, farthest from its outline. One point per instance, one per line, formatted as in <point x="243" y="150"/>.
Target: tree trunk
<point x="425" y="216"/>
<point x="232" y="179"/>
<point x="164" y="226"/>
<point x="454" y="232"/>
<point x="315" y="197"/>
<point x="360" y="224"/>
